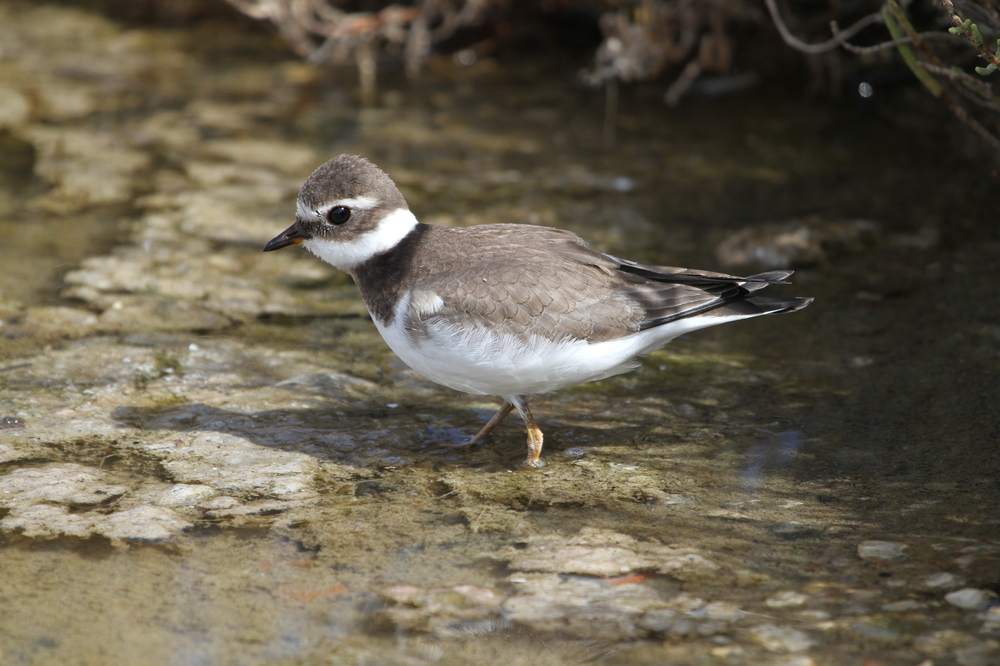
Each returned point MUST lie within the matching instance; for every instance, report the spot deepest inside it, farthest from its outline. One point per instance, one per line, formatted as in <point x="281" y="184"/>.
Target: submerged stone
<point x="786" y="599"/>
<point x="143" y="523"/>
<point x="43" y="502"/>
<point x="795" y="244"/>
<point x="583" y="607"/>
<point x="57" y="483"/>
<point x="596" y="552"/>
<point x="776" y="638"/>
<point x="881" y="550"/>
<point x="450" y="611"/>
<point x="971" y="598"/>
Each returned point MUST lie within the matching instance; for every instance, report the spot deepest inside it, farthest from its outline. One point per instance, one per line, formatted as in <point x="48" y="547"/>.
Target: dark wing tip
<point x="761" y="305"/>
<point x="796" y="304"/>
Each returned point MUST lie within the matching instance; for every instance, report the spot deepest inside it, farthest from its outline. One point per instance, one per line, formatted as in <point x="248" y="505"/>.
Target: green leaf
<point x="977" y="37"/>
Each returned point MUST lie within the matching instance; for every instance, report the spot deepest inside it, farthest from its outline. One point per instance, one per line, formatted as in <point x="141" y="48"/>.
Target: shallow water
<point x="211" y="456"/>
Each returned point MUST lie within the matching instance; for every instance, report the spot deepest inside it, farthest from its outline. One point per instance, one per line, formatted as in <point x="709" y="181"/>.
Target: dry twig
<point x="321" y="32"/>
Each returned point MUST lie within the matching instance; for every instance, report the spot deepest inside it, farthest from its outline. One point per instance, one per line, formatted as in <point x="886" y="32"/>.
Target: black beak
<point x="290" y="236"/>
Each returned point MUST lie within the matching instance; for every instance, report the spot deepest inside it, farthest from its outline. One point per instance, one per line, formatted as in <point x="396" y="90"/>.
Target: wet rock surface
<point x="595" y="552"/>
<point x="209" y="451"/>
<point x="795" y="244"/>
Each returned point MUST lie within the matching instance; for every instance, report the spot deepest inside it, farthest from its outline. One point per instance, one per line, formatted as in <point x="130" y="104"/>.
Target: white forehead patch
<point x="303" y="212"/>
<point x="345" y="255"/>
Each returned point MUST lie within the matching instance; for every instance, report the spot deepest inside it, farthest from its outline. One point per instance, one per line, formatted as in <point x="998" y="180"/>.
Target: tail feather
<point x="759" y="305"/>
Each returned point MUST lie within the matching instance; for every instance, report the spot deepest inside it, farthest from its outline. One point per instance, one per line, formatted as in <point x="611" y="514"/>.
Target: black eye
<point x="338" y="215"/>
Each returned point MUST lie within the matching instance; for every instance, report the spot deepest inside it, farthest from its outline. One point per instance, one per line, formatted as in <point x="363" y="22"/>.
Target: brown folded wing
<point x="526" y="280"/>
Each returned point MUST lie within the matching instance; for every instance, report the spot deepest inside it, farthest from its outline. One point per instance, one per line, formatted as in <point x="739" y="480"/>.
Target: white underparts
<point x="476" y="359"/>
<point x="346" y="255"/>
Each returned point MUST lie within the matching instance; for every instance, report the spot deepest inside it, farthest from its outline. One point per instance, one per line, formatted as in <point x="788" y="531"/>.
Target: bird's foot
<point x="533" y="462"/>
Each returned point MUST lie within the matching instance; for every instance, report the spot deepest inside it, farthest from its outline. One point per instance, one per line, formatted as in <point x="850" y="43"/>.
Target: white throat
<point x="349" y="254"/>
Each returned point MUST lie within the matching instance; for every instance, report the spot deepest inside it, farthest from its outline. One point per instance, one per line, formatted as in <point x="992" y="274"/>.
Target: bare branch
<point x="681" y="84"/>
<point x="983" y="91"/>
<point x="890" y="44"/>
<point x="837" y="40"/>
<point x="959" y="75"/>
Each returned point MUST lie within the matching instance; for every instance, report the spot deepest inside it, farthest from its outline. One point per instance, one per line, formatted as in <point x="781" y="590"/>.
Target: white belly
<point x="482" y="362"/>
<point x="475" y="359"/>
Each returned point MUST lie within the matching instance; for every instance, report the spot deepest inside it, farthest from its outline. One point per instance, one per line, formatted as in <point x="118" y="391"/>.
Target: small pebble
<point x="786" y="599"/>
<point x="719" y="610"/>
<point x="941" y="642"/>
<point x="791" y="530"/>
<point x="943" y="579"/>
<point x="686" y="603"/>
<point x="219" y="503"/>
<point x="686" y="410"/>
<point x="970" y="598"/>
<point x="781" y="639"/>
<point x="876" y="627"/>
<point x="811" y="615"/>
<point x="183" y="494"/>
<point x="881" y="550"/>
<point x="965" y="561"/>
<point x="727" y="651"/>
<point x="622" y="184"/>
<point x="991" y="620"/>
<point x="575" y="451"/>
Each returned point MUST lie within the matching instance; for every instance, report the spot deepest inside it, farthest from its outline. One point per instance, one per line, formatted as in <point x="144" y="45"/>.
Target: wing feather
<point x="550" y="283"/>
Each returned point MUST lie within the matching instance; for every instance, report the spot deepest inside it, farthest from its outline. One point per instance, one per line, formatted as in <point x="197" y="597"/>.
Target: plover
<point x="506" y="310"/>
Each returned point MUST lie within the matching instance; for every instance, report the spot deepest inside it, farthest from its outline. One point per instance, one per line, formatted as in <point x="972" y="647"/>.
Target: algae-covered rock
<point x="450" y="611"/>
<point x="84" y="167"/>
<point x="581" y="606"/>
<point x="40" y="503"/>
<point x="57" y="483"/>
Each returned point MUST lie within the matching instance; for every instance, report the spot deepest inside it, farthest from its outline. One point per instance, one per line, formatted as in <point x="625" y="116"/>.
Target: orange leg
<point x="534" y="433"/>
<point x="492" y="423"/>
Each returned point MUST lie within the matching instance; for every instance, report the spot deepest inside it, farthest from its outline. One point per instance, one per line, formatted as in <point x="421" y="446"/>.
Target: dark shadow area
<point x="352" y="436"/>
